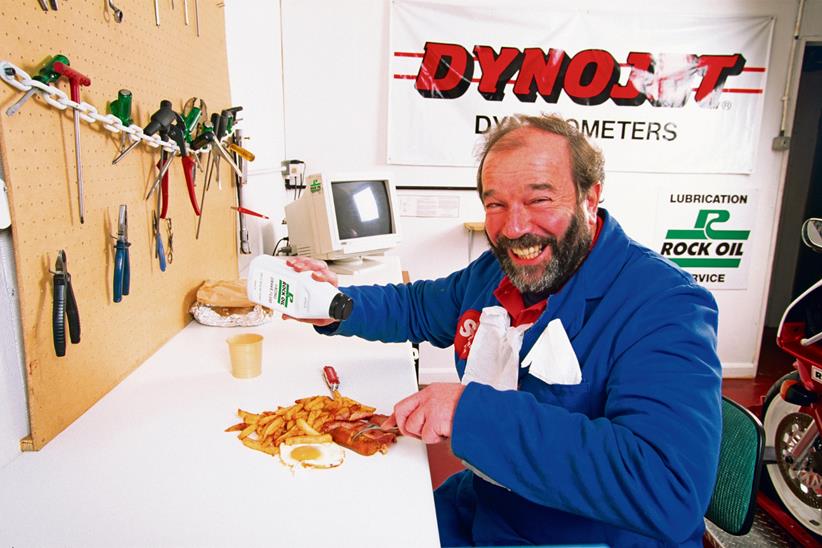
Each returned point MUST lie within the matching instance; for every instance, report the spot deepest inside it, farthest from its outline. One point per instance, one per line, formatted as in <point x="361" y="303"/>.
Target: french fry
<point x="248" y="418"/>
<point x="305" y="427"/>
<point x="247" y="432"/>
<point x="299" y="423"/>
<point x="294" y="409"/>
<point x="318" y="403"/>
<point x="254" y="444"/>
<point x="297" y="440"/>
<point x="289" y="433"/>
<point x="312" y="416"/>
<point x="273" y="426"/>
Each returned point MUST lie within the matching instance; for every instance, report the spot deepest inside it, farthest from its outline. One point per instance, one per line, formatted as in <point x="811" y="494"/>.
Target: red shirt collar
<point x="511" y="299"/>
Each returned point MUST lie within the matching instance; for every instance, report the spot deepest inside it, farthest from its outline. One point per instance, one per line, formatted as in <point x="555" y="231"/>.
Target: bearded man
<point x="608" y="431"/>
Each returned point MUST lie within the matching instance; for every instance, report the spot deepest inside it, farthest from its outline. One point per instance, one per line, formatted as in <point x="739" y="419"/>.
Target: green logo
<point x="704" y="246"/>
<point x="315" y="186"/>
<point x="284" y="296"/>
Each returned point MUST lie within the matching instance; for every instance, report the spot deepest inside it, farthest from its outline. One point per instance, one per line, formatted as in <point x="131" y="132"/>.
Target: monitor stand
<point x="353" y="265"/>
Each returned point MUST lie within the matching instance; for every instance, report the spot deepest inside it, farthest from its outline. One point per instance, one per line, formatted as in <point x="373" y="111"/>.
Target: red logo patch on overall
<point x="466" y="329"/>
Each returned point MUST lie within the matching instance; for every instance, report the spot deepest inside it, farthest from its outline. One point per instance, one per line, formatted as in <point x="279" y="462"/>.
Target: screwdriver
<point x="246" y="154"/>
<point x="121" y="108"/>
<point x="240" y="181"/>
<point x="160" y="119"/>
<point x="46" y="75"/>
<point x="75" y="81"/>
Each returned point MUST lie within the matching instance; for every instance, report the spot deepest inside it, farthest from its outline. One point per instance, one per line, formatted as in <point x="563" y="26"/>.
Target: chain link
<point x="21" y="81"/>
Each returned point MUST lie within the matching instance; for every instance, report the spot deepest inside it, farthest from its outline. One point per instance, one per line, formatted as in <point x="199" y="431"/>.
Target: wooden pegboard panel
<point x="37" y="147"/>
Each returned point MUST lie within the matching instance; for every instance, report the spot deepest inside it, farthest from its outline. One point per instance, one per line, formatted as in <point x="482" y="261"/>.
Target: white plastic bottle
<point x="274" y="284"/>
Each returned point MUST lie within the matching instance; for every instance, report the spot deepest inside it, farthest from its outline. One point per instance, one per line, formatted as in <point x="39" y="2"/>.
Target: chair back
<point x="733" y="503"/>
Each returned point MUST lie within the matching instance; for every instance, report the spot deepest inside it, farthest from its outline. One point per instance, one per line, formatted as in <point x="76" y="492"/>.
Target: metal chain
<point x="20" y="80"/>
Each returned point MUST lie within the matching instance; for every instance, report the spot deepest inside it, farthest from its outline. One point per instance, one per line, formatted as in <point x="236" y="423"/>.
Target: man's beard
<point x="566" y="256"/>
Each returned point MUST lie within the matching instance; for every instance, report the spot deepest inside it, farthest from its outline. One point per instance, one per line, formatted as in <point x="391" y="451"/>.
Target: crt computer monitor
<point x="343" y="219"/>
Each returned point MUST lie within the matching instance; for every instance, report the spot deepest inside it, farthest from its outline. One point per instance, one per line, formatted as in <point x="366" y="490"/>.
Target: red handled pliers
<point x="189" y="169"/>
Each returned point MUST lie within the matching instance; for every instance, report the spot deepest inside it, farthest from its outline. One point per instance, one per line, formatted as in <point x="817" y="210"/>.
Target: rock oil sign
<point x="708" y="235"/>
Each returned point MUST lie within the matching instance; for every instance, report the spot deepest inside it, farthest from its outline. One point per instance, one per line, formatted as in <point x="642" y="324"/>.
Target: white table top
<point x="150" y="465"/>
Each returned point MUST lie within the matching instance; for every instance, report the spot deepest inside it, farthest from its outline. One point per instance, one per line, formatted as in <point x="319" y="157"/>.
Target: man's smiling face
<point x="538" y="228"/>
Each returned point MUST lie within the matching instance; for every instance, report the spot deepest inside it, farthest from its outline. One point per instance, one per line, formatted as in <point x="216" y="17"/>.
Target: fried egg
<point x="312" y="455"/>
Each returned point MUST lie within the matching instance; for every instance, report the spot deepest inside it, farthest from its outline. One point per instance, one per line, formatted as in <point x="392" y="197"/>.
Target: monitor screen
<point x="362" y="208"/>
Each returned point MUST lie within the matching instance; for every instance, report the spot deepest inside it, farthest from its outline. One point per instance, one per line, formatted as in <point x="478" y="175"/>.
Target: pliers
<point x="189" y="169"/>
<point x="64" y="307"/>
<point x="122" y="264"/>
<point x="159" y="251"/>
<point x="176" y="132"/>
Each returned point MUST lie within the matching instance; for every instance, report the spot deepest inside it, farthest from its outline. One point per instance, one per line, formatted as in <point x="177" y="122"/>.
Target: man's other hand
<point x="428" y="414"/>
<point x="320" y="269"/>
<point x="321" y="273"/>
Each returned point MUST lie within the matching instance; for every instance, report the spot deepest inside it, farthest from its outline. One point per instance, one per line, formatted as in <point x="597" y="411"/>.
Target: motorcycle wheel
<point x="798" y="491"/>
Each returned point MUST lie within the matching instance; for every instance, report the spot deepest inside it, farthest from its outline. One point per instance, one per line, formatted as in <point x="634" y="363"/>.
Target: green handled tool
<point x="121" y="109"/>
<point x="46" y="75"/>
<point x="161" y="119"/>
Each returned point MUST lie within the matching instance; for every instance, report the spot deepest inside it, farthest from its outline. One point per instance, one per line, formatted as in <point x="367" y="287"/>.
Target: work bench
<point x="150" y="464"/>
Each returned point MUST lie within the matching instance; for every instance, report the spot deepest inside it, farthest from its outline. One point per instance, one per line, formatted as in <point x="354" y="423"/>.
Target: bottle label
<point x="284" y="295"/>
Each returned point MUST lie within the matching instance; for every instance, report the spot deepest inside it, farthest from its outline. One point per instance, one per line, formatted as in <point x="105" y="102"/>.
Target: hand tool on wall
<point x="197" y="16"/>
<point x="64" y="307"/>
<point x="222" y="123"/>
<point x="246" y="154"/>
<point x="205" y="137"/>
<point x="189" y="171"/>
<point x="122" y="262"/>
<point x="219" y="131"/>
<point x="185" y="10"/>
<point x="45" y="75"/>
<point x="121" y="108"/>
<point x="193" y="110"/>
<point x="118" y="13"/>
<point x="239" y="183"/>
<point x="157" y="12"/>
<point x="247" y="211"/>
<point x="163" y="117"/>
<point x="176" y="132"/>
<point x="170" y="232"/>
<point x="75" y="81"/>
<point x="159" y="252"/>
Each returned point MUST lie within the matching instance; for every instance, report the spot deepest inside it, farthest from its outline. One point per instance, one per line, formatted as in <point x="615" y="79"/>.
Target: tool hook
<point x="118" y="13"/>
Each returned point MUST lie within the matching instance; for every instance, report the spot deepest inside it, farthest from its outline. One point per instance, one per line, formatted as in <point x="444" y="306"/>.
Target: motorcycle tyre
<point x="774" y="409"/>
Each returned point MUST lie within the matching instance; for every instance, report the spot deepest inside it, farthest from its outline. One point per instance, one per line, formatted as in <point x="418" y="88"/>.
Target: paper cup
<point x="246" y="352"/>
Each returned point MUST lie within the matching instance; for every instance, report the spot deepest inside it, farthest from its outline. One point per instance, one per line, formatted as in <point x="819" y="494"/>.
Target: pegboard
<point x="38" y="152"/>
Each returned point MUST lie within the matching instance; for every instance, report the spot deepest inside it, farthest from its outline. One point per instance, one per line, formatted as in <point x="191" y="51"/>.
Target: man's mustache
<point x="526" y="240"/>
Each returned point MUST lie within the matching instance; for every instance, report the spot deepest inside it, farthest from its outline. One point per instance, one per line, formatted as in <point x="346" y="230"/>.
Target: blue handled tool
<point x="159" y="251"/>
<point x="64" y="307"/>
<point x="122" y="262"/>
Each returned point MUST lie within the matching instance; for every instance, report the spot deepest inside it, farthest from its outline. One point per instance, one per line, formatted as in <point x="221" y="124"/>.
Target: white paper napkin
<point x="552" y="358"/>
<point x="494" y="356"/>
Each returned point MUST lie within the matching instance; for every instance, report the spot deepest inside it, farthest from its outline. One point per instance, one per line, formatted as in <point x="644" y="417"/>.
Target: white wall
<point x="335" y="59"/>
<point x="255" y="74"/>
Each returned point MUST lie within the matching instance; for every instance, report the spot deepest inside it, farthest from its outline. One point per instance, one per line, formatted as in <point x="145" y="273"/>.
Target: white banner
<point x="658" y="94"/>
<point x="707" y="232"/>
